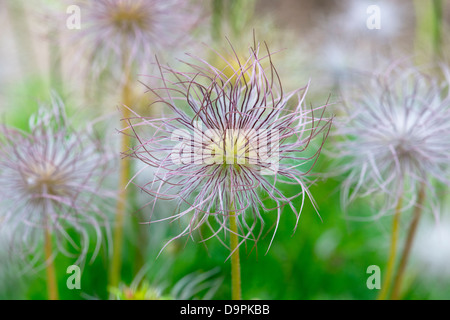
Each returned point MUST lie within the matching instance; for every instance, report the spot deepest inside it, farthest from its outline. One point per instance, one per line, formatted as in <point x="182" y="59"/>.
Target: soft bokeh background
<point x="327" y="257"/>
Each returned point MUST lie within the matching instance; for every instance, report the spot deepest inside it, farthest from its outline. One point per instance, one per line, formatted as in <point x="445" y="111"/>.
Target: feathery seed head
<point x="395" y="135"/>
<point x="51" y="177"/>
<point x="228" y="139"/>
<point x="128" y="33"/>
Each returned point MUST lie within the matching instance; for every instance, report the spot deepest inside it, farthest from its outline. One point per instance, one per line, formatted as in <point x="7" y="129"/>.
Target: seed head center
<point x="230" y="149"/>
<point x="44" y="178"/>
<point x="127" y="17"/>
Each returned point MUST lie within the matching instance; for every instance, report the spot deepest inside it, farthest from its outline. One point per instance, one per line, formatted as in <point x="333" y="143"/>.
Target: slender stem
<point x="409" y="242"/>
<point x="216" y="20"/>
<point x="235" y="261"/>
<point x="393" y="250"/>
<point x="124" y="176"/>
<point x="437" y="28"/>
<point x="52" y="286"/>
<point x="428" y="30"/>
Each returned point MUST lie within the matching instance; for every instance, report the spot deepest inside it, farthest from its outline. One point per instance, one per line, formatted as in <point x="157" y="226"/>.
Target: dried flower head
<point x="124" y="33"/>
<point x="395" y="136"/>
<point x="230" y="144"/>
<point x="51" y="178"/>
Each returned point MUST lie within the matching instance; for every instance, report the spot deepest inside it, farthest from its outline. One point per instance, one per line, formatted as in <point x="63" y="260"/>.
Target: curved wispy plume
<point x="394" y="135"/>
<point x="51" y="180"/>
<point x="118" y="34"/>
<point x="233" y="143"/>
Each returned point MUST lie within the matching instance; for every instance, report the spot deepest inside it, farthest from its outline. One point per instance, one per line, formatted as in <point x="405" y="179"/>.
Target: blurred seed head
<point x="52" y="178"/>
<point x="394" y="135"/>
<point x="119" y="34"/>
<point x="231" y="136"/>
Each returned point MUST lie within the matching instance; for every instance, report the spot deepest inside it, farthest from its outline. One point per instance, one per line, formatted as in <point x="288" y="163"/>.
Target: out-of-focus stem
<point x="428" y="30"/>
<point x="235" y="261"/>
<point x="393" y="251"/>
<point x="124" y="176"/>
<point x="437" y="28"/>
<point x="216" y="20"/>
<point x="52" y="287"/>
<point x="409" y="242"/>
<point x="241" y="12"/>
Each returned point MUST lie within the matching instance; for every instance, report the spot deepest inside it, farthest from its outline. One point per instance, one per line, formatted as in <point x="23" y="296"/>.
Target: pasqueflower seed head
<point x="231" y="142"/>
<point x="51" y="178"/>
<point x="395" y="135"/>
<point x="118" y="34"/>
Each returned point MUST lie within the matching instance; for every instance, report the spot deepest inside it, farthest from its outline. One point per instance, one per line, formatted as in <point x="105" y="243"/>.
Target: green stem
<point x="52" y="287"/>
<point x="409" y="242"/>
<point x="437" y="28"/>
<point x="216" y="20"/>
<point x="393" y="251"/>
<point x="124" y="176"/>
<point x="235" y="261"/>
<point x="428" y="30"/>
